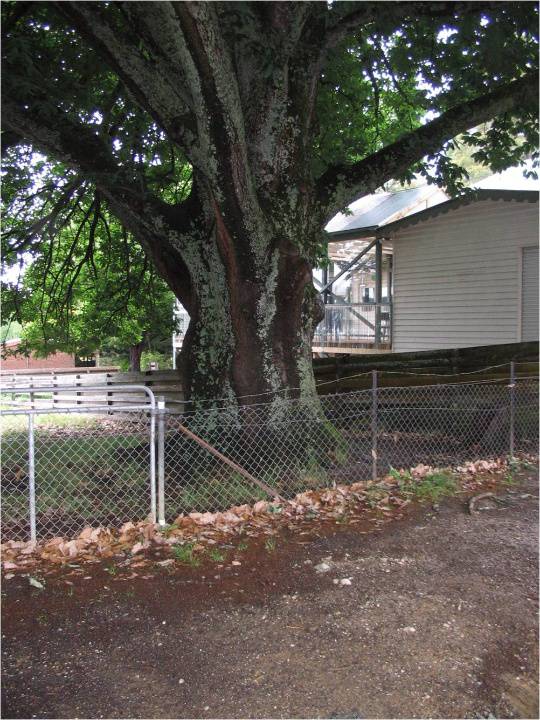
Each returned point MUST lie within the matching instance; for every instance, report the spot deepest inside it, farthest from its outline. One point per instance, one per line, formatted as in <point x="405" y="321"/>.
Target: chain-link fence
<point x="102" y="466"/>
<point x="65" y="468"/>
<point x="344" y="438"/>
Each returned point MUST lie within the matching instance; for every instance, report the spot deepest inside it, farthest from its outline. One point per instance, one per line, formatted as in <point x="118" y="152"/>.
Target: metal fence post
<point x="153" y="464"/>
<point x="512" y="387"/>
<point x="161" y="460"/>
<point x="31" y="478"/>
<point x="374" y="430"/>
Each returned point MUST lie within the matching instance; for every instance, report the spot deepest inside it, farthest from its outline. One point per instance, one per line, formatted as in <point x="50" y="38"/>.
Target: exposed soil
<point x="439" y="620"/>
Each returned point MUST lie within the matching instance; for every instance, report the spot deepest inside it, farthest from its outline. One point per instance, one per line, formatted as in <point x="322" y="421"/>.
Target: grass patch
<point x="186" y="554"/>
<point x="19" y="423"/>
<point x="221" y="490"/>
<point x="270" y="544"/>
<point x="91" y="479"/>
<point x="166" y="530"/>
<point x="509" y="479"/>
<point x="431" y="488"/>
<point x="216" y="555"/>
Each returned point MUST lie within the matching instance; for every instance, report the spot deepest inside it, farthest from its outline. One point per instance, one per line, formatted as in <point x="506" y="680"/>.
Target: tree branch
<point x="361" y="13"/>
<point x="156" y="84"/>
<point x="145" y="215"/>
<point x="341" y="184"/>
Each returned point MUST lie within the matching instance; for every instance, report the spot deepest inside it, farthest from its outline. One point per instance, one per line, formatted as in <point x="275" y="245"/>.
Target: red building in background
<point x="54" y="361"/>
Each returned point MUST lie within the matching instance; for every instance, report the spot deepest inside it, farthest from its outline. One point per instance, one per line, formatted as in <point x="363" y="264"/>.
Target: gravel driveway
<point x="431" y="616"/>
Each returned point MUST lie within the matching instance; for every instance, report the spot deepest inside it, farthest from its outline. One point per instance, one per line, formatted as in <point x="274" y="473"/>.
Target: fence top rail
<point x="81" y="409"/>
<point x="108" y="389"/>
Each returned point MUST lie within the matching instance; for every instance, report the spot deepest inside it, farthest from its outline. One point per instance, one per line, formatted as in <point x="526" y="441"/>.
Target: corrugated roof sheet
<point x="510" y="179"/>
<point x="373" y="210"/>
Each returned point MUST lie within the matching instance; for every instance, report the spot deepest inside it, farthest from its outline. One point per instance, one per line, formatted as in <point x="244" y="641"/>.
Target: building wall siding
<point x="457" y="276"/>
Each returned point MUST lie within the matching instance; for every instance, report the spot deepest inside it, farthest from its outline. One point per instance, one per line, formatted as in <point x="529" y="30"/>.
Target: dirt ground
<point x="433" y="616"/>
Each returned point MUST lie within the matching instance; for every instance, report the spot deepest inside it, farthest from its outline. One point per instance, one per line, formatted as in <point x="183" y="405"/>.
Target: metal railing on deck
<point x="350" y="325"/>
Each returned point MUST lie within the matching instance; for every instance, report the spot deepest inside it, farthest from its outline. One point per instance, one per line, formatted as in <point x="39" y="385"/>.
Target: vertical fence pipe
<point x="161" y="460"/>
<point x="374" y="430"/>
<point x="153" y="464"/>
<point x="31" y="478"/>
<point x="512" y="387"/>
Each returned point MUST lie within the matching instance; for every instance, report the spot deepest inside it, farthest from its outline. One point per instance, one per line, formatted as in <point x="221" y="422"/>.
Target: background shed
<point x="465" y="272"/>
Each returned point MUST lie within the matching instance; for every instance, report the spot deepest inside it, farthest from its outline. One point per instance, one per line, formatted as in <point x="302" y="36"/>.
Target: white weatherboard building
<point x="419" y="271"/>
<point x="465" y="273"/>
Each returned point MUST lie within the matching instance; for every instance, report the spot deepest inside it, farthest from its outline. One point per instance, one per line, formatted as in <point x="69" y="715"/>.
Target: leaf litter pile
<point x="137" y="545"/>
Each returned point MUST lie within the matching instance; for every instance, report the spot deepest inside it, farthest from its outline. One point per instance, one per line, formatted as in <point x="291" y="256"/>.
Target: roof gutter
<point x="355" y="234"/>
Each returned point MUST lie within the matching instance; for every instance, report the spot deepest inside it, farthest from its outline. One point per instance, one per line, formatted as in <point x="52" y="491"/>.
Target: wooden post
<point x="390" y="279"/>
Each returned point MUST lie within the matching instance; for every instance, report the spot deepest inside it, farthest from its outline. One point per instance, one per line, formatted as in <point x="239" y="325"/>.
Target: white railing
<point x="350" y="325"/>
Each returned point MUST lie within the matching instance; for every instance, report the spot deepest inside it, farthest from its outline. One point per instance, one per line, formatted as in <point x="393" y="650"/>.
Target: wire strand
<point x="352" y="377"/>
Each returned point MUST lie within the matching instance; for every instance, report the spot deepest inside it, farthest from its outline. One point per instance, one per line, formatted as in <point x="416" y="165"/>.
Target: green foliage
<point x="217" y="555"/>
<point x="389" y="79"/>
<point x="436" y="486"/>
<point x="509" y="478"/>
<point x="109" y="357"/>
<point x="433" y="487"/>
<point x="186" y="554"/>
<point x="270" y="544"/>
<point x="363" y="109"/>
<point x="90" y="287"/>
<point x="341" y="447"/>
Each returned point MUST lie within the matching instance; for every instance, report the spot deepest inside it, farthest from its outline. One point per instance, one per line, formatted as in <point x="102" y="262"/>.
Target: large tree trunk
<point x="246" y="280"/>
<point x="249" y="339"/>
<point x="135" y="354"/>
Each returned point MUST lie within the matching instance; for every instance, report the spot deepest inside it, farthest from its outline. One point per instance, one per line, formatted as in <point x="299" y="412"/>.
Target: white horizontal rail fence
<point x="35" y="458"/>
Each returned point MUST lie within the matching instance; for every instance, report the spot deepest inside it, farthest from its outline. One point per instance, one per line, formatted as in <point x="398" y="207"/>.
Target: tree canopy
<point x="90" y="287"/>
<point x="224" y="135"/>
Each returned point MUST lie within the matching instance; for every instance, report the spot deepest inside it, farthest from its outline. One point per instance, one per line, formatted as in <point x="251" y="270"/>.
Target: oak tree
<point x="224" y="135"/>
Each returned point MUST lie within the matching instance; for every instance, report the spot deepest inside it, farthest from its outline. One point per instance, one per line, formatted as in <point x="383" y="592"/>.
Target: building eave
<point x="529" y="196"/>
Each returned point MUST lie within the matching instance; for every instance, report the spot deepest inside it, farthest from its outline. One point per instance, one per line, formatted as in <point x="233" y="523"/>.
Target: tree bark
<point x="135" y="354"/>
<point x="252" y="323"/>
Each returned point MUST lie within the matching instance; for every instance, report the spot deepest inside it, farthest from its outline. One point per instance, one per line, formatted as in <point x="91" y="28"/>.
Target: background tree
<point x="283" y="113"/>
<point x="89" y="287"/>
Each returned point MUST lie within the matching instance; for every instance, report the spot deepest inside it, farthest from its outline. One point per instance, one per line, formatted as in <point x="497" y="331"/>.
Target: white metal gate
<point x="66" y="467"/>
